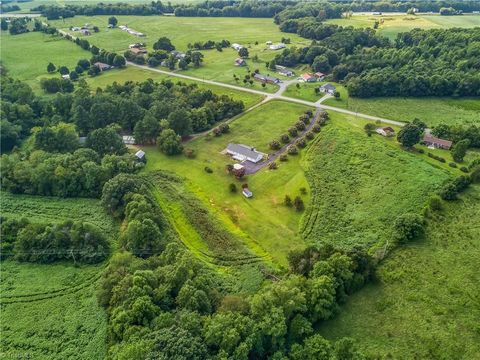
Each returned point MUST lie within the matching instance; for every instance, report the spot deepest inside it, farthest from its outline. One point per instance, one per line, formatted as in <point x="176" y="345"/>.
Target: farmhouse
<point x="247" y="193"/>
<point x="102" y="66"/>
<point x="242" y="152"/>
<point x="240" y="62"/>
<point x="237" y="46"/>
<point x="128" y="140"/>
<point x="432" y="141"/>
<point x="266" y="79"/>
<point x="277" y="46"/>
<point x="385" y="131"/>
<point x="308" y="78"/>
<point x="328" y="89"/>
<point x="319" y="75"/>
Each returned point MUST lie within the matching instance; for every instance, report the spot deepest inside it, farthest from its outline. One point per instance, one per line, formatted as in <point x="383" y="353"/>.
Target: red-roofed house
<point x="431" y="140"/>
<point x="308" y="77"/>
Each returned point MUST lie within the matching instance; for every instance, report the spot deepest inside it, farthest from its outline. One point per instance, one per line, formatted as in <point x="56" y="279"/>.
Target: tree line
<point x="47" y="243"/>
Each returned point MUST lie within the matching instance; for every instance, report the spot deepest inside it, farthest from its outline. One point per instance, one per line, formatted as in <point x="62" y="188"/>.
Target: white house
<point x="242" y="152"/>
<point x="237" y="47"/>
<point x="247" y="193"/>
<point x="277" y="46"/>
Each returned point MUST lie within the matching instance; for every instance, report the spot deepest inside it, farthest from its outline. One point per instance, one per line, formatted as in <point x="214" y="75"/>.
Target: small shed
<point x="247" y="193"/>
<point x="141" y="156"/>
<point x="385" y="131"/>
<point x="319" y="75"/>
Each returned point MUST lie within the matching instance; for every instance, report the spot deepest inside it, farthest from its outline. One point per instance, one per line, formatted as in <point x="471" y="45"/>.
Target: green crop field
<point x="432" y="111"/>
<point x="424" y="304"/>
<point x="391" y="25"/>
<point x="51" y="312"/>
<point x="26" y="56"/>
<point x="360" y="184"/>
<point x="51" y="209"/>
<point x="263" y="223"/>
<point x="219" y="66"/>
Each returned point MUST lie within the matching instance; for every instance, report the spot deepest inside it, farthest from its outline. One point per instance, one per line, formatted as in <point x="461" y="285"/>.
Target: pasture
<point x="26" y="56"/>
<point x="391" y="25"/>
<point x="60" y="317"/>
<point x="360" y="184"/>
<point x="262" y="223"/>
<point x="249" y="32"/>
<point x="425" y="302"/>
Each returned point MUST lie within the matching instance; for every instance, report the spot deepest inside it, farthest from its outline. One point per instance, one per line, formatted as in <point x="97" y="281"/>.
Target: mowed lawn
<point x="433" y="111"/>
<point x="252" y="33"/>
<point x="263" y="219"/>
<point x="26" y="56"/>
<point x="391" y="25"/>
<point x="132" y="73"/>
<point x="425" y="302"/>
<point x="51" y="312"/>
<point x="361" y="184"/>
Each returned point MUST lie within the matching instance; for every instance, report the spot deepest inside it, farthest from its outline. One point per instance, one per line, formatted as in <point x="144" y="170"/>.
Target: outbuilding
<point x="432" y="141"/>
<point x="141" y="156"/>
<point x="385" y="131"/>
<point x="247" y="193"/>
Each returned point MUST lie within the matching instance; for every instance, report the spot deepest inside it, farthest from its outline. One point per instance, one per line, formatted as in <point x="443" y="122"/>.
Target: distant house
<point x="66" y="77"/>
<point x="319" y="75"/>
<point x="102" y="66"/>
<point x="277" y="46"/>
<point x="128" y="140"/>
<point x="247" y="193"/>
<point x="85" y="32"/>
<point x="268" y="43"/>
<point x="266" y="79"/>
<point x="282" y="70"/>
<point x="141" y="156"/>
<point x="432" y="141"/>
<point x="308" y="78"/>
<point x="237" y="47"/>
<point x="240" y="62"/>
<point x="178" y="55"/>
<point x="242" y="152"/>
<point x="138" y="51"/>
<point x="136" y="45"/>
<point x="385" y="131"/>
<point x="327" y="89"/>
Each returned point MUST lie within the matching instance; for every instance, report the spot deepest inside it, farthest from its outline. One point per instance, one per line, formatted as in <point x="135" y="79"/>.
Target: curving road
<point x="268" y="96"/>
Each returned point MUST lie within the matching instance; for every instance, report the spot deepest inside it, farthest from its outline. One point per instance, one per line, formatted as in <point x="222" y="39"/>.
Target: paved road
<point x="278" y="95"/>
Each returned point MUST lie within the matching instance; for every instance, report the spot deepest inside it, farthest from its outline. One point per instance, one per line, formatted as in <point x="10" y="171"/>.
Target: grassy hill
<point x="424" y="304"/>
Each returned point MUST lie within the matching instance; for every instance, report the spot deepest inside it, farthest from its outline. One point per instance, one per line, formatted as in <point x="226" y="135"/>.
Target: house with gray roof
<point x="328" y="89"/>
<point x="266" y="78"/>
<point x="242" y="152"/>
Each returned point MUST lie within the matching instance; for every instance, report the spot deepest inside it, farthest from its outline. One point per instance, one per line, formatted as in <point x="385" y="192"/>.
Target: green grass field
<point x="51" y="312"/>
<point x="41" y="209"/>
<point x="432" y="111"/>
<point x="425" y="302"/>
<point x="26" y="56"/>
<point x="391" y="25"/>
<point x="262" y="221"/>
<point x="219" y="66"/>
<point x="136" y="74"/>
<point x="361" y="184"/>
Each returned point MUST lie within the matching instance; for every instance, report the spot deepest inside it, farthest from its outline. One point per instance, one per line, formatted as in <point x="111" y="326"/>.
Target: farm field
<point x="433" y="111"/>
<point x="394" y="24"/>
<point x="360" y="184"/>
<point x="425" y="303"/>
<point x="262" y="221"/>
<point x="31" y="66"/>
<point x="52" y="209"/>
<point x="60" y="317"/>
<point x="132" y="73"/>
<point x="218" y="66"/>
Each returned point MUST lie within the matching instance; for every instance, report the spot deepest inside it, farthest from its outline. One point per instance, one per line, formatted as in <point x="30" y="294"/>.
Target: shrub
<point x="304" y="118"/>
<point x="285" y="138"/>
<point x="316" y="128"/>
<point x="435" y="203"/>
<point x="298" y="204"/>
<point x="273" y="165"/>
<point x="224" y="128"/>
<point x="217" y="131"/>
<point x="275" y="145"/>
<point x="448" y="192"/>
<point x="232" y="187"/>
<point x="301" y="143"/>
<point x="464" y="169"/>
<point x="189" y="153"/>
<point x="309" y="113"/>
<point x="452" y="164"/>
<point x="303" y="191"/>
<point x="292" y="150"/>
<point x="288" y="201"/>
<point x="208" y="170"/>
<point x="421" y="151"/>
<point x="283" y="157"/>
<point x="293" y="132"/>
<point x="300" y="125"/>
<point x="408" y="227"/>
<point x="309" y="135"/>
